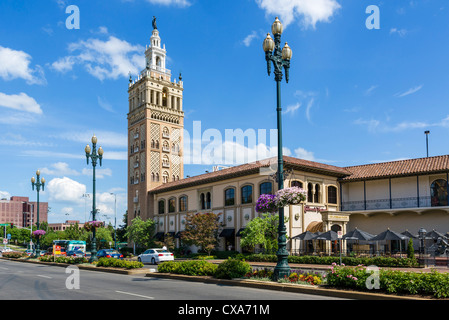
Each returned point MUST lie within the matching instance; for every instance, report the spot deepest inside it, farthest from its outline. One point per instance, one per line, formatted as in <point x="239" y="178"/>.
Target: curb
<point x="322" y="291"/>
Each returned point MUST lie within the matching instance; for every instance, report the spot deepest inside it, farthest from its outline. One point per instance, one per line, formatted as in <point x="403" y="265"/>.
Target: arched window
<point x="317" y="194"/>
<point x="229" y="197"/>
<point x="266" y="188"/>
<point x="165" y="177"/>
<point x="183" y="203"/>
<point x="208" y="201"/>
<point x="332" y="195"/>
<point x="171" y="205"/>
<point x="309" y="192"/>
<point x="161" y="206"/>
<point x="296" y="183"/>
<point x="247" y="194"/>
<point x="438" y="193"/>
<point x="202" y="201"/>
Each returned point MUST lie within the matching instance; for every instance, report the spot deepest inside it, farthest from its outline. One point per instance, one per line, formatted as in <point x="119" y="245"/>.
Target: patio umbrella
<point x="305" y="236"/>
<point x="329" y="235"/>
<point x="434" y="235"/>
<point x="409" y="234"/>
<point x="389" y="235"/>
<point x="357" y="234"/>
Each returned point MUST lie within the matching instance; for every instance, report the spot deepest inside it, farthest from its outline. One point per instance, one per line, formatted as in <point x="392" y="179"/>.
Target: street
<point x="26" y="281"/>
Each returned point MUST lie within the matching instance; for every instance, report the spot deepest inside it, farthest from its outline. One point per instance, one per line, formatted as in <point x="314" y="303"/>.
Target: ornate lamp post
<point x="94" y="156"/>
<point x="38" y="183"/>
<point x="280" y="59"/>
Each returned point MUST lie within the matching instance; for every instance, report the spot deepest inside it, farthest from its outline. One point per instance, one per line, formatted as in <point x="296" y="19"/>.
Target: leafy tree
<point x="261" y="231"/>
<point x="141" y="232"/>
<point x="202" y="230"/>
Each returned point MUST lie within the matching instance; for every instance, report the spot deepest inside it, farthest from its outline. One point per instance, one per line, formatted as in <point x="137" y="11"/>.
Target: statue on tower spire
<point x="154" y="23"/>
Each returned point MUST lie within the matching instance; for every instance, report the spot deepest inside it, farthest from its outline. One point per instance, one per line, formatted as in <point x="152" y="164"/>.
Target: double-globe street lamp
<point x="281" y="60"/>
<point x="38" y="183"/>
<point x="94" y="156"/>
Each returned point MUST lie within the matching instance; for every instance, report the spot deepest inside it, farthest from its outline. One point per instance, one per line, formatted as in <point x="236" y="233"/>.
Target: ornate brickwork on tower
<point x="155" y="130"/>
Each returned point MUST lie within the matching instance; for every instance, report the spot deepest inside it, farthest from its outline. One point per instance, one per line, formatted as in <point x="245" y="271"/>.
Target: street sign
<point x="340" y="234"/>
<point x="5" y="241"/>
<point x="8" y="236"/>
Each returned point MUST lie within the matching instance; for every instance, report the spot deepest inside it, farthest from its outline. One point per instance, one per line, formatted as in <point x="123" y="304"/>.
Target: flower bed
<point x="391" y="281"/>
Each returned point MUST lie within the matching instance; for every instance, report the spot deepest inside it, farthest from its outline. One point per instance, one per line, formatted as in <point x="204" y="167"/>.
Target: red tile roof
<point x="401" y="168"/>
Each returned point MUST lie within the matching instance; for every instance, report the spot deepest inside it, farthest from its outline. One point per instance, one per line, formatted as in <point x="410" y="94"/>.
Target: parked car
<point x="5" y="249"/>
<point x="29" y="252"/>
<point x="76" y="254"/>
<point x="109" y="253"/>
<point x="155" y="256"/>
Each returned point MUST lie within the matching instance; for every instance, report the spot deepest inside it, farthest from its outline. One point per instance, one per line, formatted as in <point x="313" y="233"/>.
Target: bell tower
<point x="155" y="129"/>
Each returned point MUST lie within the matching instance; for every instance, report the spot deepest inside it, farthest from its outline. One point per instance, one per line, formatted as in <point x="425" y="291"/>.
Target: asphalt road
<point x="26" y="281"/>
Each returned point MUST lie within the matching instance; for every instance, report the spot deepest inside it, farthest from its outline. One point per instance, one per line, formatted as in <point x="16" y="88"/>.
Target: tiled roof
<point x="251" y="168"/>
<point x="401" y="168"/>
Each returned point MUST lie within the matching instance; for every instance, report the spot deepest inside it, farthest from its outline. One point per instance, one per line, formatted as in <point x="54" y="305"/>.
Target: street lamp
<point x="281" y="60"/>
<point x="38" y="183"/>
<point x="427" y="141"/>
<point x="115" y="223"/>
<point x="94" y="156"/>
<point x="422" y="234"/>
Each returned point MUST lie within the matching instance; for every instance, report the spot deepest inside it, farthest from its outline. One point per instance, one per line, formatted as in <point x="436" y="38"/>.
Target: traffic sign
<point x="5" y="241"/>
<point x="8" y="236"/>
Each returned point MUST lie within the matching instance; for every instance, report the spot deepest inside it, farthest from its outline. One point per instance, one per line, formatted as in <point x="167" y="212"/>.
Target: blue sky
<point x="355" y="96"/>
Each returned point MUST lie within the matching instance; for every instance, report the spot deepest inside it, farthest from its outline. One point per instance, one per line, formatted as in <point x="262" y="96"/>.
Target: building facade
<point x="155" y="129"/>
<point x="401" y="195"/>
<point x="22" y="212"/>
<point x="64" y="225"/>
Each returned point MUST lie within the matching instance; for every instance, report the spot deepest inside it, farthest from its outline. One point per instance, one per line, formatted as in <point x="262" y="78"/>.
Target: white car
<point x="155" y="256"/>
<point x="7" y="249"/>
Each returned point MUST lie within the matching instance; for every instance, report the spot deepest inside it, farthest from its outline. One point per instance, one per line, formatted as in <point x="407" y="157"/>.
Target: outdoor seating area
<point x="432" y="247"/>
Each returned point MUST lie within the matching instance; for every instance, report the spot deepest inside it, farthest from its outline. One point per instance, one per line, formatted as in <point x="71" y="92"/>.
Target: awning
<point x="178" y="234"/>
<point x="159" y="236"/>
<point x="227" y="233"/>
<point x="239" y="233"/>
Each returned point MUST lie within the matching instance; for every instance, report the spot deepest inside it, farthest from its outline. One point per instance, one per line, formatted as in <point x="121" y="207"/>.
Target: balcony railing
<point x="394" y="203"/>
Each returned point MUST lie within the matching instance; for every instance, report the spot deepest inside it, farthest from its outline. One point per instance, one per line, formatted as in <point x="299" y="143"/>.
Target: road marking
<point x="3" y="268"/>
<point x="134" y="294"/>
<point x="47" y="277"/>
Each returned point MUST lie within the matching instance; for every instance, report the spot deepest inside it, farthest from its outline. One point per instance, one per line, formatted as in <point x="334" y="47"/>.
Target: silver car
<point x="155" y="256"/>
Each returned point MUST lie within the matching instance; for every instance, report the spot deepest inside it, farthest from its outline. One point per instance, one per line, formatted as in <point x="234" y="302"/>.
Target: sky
<point x="367" y="78"/>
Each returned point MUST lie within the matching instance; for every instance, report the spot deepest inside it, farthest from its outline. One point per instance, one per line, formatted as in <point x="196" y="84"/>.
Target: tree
<point x="202" y="230"/>
<point x="141" y="232"/>
<point x="263" y="232"/>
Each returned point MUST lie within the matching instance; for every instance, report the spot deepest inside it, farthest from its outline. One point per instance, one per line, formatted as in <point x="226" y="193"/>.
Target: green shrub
<point x="191" y="268"/>
<point x="118" y="263"/>
<point x="14" y="254"/>
<point x="392" y="281"/>
<point x="64" y="259"/>
<point x="232" y="268"/>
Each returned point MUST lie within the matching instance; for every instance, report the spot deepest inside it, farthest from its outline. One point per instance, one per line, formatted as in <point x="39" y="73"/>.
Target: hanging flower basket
<point x="89" y="226"/>
<point x="270" y="203"/>
<point x="290" y="196"/>
<point x="38" y="233"/>
<point x="266" y="203"/>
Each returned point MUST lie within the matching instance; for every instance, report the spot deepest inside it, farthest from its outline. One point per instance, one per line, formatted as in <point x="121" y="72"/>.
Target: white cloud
<point x="309" y="107"/>
<point x="5" y="195"/>
<point x="99" y="173"/>
<point x="292" y="108"/>
<point x="15" y="64"/>
<point x="400" y="32"/>
<point x="249" y="38"/>
<point x="304" y="154"/>
<point x="310" y="12"/>
<point x="21" y="102"/>
<point x="408" y="92"/>
<point x="108" y="59"/>
<point x="103" y="103"/>
<point x="59" y="169"/>
<point x="177" y="3"/>
<point x="65" y="190"/>
<point x="105" y="138"/>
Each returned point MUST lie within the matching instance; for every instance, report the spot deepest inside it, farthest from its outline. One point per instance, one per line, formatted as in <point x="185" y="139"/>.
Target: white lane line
<point x="134" y="294"/>
<point x="3" y="268"/>
<point x="47" y="277"/>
